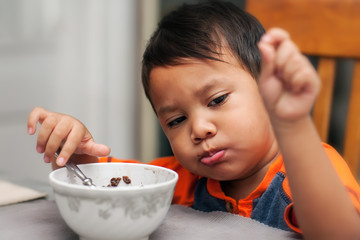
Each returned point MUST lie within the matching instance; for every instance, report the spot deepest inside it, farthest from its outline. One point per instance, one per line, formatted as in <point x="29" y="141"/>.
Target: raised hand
<point x="288" y="82"/>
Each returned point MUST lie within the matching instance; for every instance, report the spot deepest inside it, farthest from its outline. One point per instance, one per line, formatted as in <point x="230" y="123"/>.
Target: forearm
<point x="322" y="205"/>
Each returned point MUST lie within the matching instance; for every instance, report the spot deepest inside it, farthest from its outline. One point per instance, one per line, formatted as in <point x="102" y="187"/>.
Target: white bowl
<point x="129" y="211"/>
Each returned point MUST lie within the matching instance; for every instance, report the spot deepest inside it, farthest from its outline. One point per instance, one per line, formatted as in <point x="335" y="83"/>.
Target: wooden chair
<point x="329" y="29"/>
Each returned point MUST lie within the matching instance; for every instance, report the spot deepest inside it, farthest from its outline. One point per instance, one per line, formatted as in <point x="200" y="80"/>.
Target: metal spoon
<point x="74" y="169"/>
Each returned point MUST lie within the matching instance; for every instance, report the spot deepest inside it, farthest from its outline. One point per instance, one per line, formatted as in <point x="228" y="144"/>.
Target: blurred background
<point x="79" y="57"/>
<point x="82" y="58"/>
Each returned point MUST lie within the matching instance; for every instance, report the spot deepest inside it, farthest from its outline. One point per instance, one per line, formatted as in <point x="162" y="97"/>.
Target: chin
<point x="220" y="176"/>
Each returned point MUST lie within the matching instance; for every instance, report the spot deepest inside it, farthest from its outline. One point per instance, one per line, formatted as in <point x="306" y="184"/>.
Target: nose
<point x="202" y="129"/>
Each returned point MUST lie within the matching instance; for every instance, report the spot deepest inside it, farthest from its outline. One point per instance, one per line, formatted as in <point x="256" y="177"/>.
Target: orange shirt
<point x="270" y="203"/>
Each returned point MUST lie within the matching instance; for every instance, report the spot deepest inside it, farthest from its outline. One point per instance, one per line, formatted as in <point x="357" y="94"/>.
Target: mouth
<point x="213" y="157"/>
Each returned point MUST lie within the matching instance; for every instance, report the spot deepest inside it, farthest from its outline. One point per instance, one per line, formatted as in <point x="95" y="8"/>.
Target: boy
<point x="201" y="73"/>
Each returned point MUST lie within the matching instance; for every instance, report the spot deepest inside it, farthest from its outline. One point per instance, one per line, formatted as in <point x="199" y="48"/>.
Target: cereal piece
<point x="126" y="179"/>
<point x="114" y="182"/>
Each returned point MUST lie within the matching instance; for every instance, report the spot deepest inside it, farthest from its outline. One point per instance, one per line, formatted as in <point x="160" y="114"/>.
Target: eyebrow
<point x="208" y="86"/>
<point x="166" y="109"/>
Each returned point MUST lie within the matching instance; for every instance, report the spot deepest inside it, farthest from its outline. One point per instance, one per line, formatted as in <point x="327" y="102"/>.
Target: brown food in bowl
<point x="126" y="179"/>
<point x="114" y="182"/>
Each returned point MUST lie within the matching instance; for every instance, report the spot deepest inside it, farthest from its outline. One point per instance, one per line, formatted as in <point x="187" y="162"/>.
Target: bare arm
<point x="289" y="86"/>
<point x="62" y="130"/>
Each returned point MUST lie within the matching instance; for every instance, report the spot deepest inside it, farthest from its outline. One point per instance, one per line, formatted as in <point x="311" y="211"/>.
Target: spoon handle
<point x="73" y="168"/>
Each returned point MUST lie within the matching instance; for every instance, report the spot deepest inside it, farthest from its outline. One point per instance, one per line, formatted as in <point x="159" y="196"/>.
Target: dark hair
<point x="198" y="31"/>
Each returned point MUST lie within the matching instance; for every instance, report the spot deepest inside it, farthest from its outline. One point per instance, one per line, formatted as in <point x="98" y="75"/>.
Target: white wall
<point x="79" y="57"/>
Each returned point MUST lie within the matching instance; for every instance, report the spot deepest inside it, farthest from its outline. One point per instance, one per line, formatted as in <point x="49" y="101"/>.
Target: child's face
<point x="214" y="117"/>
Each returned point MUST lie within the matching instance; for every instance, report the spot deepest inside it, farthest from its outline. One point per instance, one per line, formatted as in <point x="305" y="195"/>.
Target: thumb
<point x="269" y="86"/>
<point x="267" y="52"/>
<point x="96" y="149"/>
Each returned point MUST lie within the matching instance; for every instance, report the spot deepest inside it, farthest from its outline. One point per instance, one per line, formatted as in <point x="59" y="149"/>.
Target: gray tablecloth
<point x="40" y="219"/>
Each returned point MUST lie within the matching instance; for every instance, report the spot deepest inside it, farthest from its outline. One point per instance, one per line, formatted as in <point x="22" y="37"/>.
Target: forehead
<point x="186" y="64"/>
<point x="168" y="82"/>
<point x="195" y="69"/>
<point x="195" y="77"/>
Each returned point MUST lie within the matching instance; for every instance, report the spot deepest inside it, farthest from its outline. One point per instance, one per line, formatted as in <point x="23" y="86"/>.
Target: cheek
<point x="182" y="147"/>
<point x="248" y="120"/>
<point x="177" y="144"/>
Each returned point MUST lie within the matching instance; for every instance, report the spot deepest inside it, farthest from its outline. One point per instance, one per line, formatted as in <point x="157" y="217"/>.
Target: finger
<point x="277" y="36"/>
<point x="296" y="64"/>
<point x="65" y="153"/>
<point x="288" y="61"/>
<point x="268" y="45"/>
<point x="267" y="52"/>
<point x="285" y="51"/>
<point x="45" y="131"/>
<point x="269" y="84"/>
<point x="97" y="149"/>
<point x="57" y="138"/>
<point x="302" y="82"/>
<point x="73" y="142"/>
<point x="35" y="116"/>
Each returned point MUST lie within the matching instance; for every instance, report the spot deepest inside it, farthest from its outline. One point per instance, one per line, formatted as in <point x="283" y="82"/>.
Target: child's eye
<point x="218" y="100"/>
<point x="176" y="121"/>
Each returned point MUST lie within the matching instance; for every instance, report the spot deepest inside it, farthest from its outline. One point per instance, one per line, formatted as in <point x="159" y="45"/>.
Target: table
<point x="40" y="219"/>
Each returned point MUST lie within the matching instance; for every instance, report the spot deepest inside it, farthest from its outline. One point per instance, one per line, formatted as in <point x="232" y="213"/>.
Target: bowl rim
<point x="54" y="181"/>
